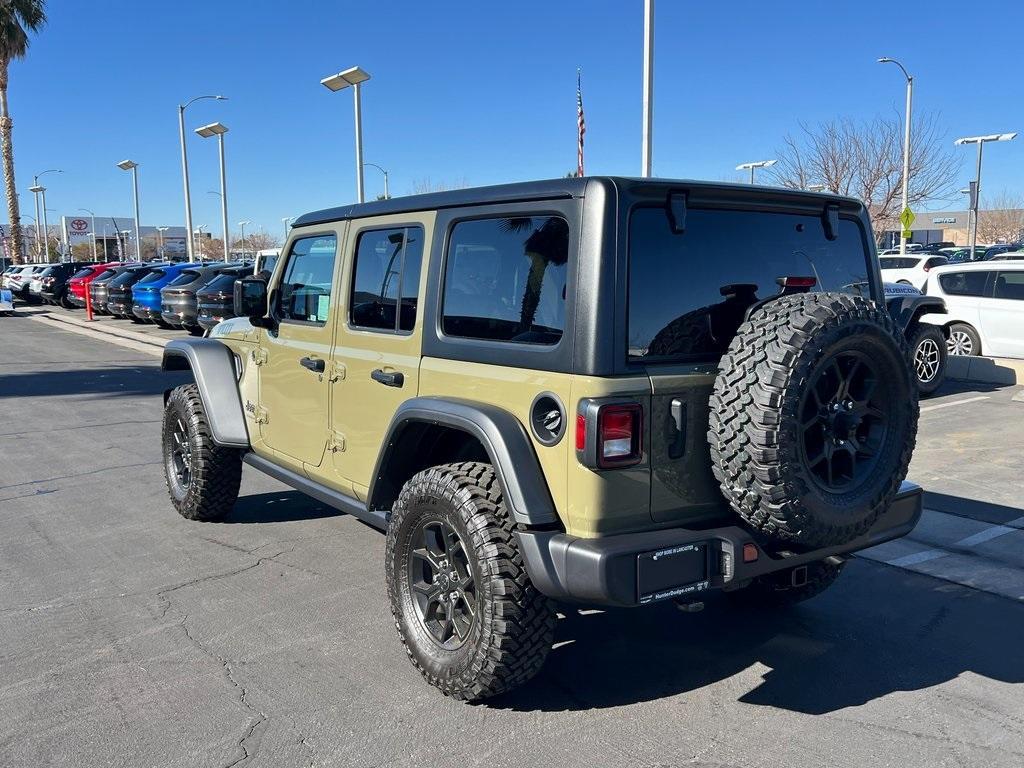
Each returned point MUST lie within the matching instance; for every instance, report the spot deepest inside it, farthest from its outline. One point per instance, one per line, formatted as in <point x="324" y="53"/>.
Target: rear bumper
<point x="607" y="571"/>
<point x="146" y="313"/>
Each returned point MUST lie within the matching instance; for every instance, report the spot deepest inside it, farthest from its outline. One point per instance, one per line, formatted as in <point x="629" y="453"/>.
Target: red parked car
<point x="79" y="283"/>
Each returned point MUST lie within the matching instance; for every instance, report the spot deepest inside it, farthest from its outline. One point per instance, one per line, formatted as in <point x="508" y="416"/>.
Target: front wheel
<point x="202" y="477"/>
<point x="927" y="356"/>
<point x="471" y="620"/>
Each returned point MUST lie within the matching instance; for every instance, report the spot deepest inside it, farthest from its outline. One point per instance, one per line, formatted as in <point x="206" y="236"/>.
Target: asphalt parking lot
<point x="132" y="637"/>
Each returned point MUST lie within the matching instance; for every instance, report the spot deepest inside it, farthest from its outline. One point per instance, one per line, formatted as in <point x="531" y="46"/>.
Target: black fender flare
<point x="905" y="309"/>
<point x="213" y="368"/>
<point x="503" y="437"/>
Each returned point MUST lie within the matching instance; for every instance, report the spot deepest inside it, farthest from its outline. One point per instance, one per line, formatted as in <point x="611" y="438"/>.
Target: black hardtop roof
<point x="549" y="189"/>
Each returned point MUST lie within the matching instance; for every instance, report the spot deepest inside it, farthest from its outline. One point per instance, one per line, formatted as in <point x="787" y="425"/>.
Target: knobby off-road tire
<point x="813" y="418"/>
<point x="777" y="590"/>
<point x="450" y="533"/>
<point x="202" y="478"/>
<point x="927" y="350"/>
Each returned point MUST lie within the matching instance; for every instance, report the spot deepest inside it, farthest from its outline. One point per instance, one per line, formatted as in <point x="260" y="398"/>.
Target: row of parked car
<point x="956" y="254"/>
<point x="192" y="296"/>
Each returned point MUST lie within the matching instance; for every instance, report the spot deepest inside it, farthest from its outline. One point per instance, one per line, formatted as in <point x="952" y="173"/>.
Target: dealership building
<point x="115" y="236"/>
<point x="944" y="226"/>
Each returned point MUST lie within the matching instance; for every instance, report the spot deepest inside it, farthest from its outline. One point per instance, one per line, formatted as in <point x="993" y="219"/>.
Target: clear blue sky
<point x="478" y="91"/>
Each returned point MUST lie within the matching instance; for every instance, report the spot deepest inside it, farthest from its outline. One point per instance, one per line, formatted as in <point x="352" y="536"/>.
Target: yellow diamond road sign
<point x="907" y="218"/>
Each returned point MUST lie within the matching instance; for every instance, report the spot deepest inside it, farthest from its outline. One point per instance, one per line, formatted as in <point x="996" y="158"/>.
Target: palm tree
<point x="17" y="19"/>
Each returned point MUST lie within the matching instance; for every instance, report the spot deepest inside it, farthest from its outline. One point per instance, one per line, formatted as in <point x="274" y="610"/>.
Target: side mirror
<point x="250" y="300"/>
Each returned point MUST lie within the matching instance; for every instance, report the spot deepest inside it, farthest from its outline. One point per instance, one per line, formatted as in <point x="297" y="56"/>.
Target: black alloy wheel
<point x="844" y="421"/>
<point x="181" y="455"/>
<point x="442" y="584"/>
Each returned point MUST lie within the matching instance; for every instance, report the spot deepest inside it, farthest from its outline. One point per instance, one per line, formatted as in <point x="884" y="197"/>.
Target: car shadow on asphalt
<point x="61" y="380"/>
<point x="278" y="507"/>
<point x="879" y="630"/>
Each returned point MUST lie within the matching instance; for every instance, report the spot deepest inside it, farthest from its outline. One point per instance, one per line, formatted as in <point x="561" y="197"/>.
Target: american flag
<point x="581" y="126"/>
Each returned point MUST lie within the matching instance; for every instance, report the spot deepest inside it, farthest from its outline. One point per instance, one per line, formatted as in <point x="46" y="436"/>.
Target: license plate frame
<point x="673" y="571"/>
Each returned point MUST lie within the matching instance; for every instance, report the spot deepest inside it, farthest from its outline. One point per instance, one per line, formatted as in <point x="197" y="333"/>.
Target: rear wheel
<point x="963" y="341"/>
<point x="202" y="477"/>
<point x="471" y="620"/>
<point x="788" y="587"/>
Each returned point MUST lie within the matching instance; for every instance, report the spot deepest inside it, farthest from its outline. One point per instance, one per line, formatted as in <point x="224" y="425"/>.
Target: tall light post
<point x="758" y="164"/>
<point x="387" y="193"/>
<point x="125" y="235"/>
<point x="131" y="165"/>
<point x="353" y="76"/>
<point x="160" y="237"/>
<point x="980" y="141"/>
<point x="286" y="221"/>
<point x="184" y="169"/>
<point x="199" y="239"/>
<point x="242" y="224"/>
<point x="42" y="193"/>
<point x="36" y="190"/>
<point x="906" y="145"/>
<point x="218" y="130"/>
<point x="93" y="215"/>
<point x="645" y="147"/>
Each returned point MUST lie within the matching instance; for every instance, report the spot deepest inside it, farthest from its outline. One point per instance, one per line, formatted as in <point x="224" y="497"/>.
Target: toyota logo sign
<point x="79" y="225"/>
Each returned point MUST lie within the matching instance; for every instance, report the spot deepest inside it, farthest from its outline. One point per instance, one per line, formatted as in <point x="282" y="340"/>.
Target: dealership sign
<point x="944" y="220"/>
<point x="78" y="228"/>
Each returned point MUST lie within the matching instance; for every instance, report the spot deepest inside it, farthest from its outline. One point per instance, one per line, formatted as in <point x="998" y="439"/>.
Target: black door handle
<point x="395" y="379"/>
<point x="315" y="364"/>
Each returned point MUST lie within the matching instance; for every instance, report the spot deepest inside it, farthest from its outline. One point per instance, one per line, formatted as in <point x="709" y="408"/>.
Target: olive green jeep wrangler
<point x="605" y="391"/>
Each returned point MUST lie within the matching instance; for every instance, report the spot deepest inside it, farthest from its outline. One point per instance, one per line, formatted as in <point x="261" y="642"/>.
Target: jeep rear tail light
<point x="618" y="435"/>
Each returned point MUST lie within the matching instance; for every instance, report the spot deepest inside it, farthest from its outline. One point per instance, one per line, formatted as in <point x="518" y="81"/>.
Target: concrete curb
<point x="97" y="327"/>
<point x="985" y="370"/>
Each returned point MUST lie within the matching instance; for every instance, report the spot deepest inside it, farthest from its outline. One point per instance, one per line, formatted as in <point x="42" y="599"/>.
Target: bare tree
<point x="865" y="160"/>
<point x="422" y="186"/>
<point x="1001" y="219"/>
<point x="257" y="241"/>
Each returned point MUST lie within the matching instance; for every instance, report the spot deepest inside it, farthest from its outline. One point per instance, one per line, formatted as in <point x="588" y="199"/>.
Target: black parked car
<point x="55" y="281"/>
<point x="99" y="287"/>
<point x="216" y="299"/>
<point x="119" y="289"/>
<point x="178" y="298"/>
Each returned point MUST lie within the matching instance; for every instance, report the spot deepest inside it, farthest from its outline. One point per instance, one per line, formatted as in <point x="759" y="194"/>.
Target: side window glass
<point x="505" y="279"/>
<point x="304" y="294"/>
<point x="386" y="280"/>
<point x="1010" y="285"/>
<point x="964" y="283"/>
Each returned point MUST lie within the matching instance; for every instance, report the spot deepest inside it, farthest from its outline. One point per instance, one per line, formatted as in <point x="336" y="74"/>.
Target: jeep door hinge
<point x="336" y="372"/>
<point x="262" y="415"/>
<point x="259" y="355"/>
<point x="336" y="443"/>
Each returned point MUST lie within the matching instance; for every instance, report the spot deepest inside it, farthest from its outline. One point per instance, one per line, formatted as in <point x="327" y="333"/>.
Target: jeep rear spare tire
<point x="813" y="418"/>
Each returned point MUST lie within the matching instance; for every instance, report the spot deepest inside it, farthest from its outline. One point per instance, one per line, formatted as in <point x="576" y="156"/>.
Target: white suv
<point x="911" y="269"/>
<point x="984" y="307"/>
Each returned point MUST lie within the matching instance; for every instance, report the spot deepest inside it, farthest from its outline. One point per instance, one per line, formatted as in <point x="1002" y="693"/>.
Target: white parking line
<point x="957" y="402"/>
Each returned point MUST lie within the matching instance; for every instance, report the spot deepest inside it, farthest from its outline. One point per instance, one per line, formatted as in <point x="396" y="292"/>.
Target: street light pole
<point x="218" y="130"/>
<point x="131" y="165"/>
<point x="242" y="224"/>
<point x="353" y="76"/>
<point x="184" y="169"/>
<point x="648" y="105"/>
<point x="980" y="141"/>
<point x="42" y="193"/>
<point x="387" y="193"/>
<point x="758" y="164"/>
<point x="35" y="195"/>
<point x="906" y="145"/>
<point x="93" y="215"/>
<point x="160" y="236"/>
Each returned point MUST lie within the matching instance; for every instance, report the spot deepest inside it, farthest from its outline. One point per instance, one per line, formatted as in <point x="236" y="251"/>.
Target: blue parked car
<point x="146" y="292"/>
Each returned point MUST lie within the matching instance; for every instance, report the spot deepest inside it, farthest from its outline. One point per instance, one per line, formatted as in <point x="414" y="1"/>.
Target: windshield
<point x="689" y="292"/>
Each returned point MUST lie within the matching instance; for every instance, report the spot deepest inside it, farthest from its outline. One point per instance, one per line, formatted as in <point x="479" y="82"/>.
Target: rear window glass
<point x="184" y="278"/>
<point x="221" y="283"/>
<point x="688" y="292"/>
<point x="106" y="274"/>
<point x="152" y="277"/>
<point x="505" y="279"/>
<point x="964" y="283"/>
<point x="82" y="273"/>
